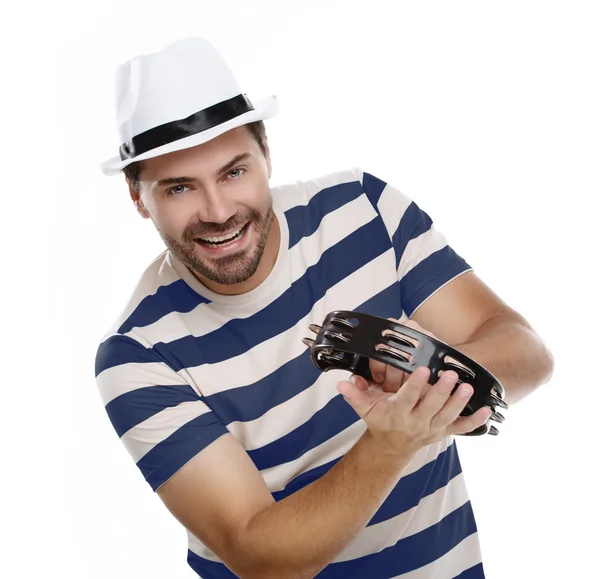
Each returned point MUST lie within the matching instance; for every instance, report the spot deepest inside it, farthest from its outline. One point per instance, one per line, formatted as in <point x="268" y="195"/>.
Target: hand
<point x="389" y="378"/>
<point x="406" y="420"/>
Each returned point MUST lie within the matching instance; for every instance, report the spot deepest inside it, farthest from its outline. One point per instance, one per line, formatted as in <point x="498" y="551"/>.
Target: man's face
<point x="212" y="206"/>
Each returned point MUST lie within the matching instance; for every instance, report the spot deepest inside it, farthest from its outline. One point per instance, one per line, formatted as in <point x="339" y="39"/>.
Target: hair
<point x="257" y="130"/>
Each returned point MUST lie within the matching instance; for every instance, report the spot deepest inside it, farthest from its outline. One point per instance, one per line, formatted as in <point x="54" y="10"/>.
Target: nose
<point x="216" y="207"/>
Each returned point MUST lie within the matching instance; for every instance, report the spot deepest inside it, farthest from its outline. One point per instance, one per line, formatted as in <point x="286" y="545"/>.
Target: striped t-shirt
<point x="183" y="365"/>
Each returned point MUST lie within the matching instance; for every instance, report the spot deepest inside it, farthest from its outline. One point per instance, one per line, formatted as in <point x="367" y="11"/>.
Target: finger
<point x="438" y="395"/>
<point x="378" y="370"/>
<point x="454" y="406"/>
<point x="408" y="395"/>
<point x="362" y="401"/>
<point x="464" y="424"/>
<point x="426" y="388"/>
<point x="360" y="382"/>
<point x="394" y="378"/>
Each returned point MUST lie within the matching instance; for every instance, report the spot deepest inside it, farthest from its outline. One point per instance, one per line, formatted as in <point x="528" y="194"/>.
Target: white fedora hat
<point x="180" y="97"/>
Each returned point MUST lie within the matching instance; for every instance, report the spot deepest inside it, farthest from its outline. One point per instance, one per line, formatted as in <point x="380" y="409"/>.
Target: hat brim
<point x="265" y="109"/>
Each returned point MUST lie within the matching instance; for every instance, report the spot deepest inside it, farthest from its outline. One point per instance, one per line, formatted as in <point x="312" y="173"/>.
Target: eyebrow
<point x="223" y="169"/>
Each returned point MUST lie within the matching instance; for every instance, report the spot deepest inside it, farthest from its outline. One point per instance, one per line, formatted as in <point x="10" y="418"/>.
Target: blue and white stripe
<point x="181" y="367"/>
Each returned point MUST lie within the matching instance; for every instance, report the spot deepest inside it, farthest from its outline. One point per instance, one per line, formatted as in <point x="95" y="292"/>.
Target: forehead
<point x="203" y="160"/>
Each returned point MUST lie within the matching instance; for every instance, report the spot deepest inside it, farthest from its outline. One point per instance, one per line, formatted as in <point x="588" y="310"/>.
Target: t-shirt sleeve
<point x="162" y="421"/>
<point x="424" y="260"/>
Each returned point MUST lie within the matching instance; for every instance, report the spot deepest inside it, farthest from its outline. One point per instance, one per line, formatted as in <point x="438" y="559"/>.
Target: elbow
<point x="249" y="563"/>
<point x="542" y="363"/>
<point x="541" y="359"/>
<point x="272" y="568"/>
<point x="548" y="366"/>
<point x="259" y="555"/>
<point x="539" y="371"/>
<point x="276" y="569"/>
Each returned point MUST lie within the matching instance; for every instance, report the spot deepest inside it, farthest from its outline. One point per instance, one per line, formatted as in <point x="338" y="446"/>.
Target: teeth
<point x="223" y="238"/>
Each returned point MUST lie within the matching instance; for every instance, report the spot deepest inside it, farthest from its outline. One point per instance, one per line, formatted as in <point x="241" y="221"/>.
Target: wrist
<point x="380" y="446"/>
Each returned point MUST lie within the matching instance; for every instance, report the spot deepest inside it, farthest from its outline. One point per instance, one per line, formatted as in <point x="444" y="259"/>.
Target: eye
<point x="177" y="189"/>
<point x="237" y="170"/>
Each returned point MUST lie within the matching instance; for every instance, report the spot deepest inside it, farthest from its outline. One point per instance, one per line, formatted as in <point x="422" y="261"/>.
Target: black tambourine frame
<point x="347" y="340"/>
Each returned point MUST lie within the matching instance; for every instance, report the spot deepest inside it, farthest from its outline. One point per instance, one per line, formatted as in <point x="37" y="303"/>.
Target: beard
<point x="228" y="269"/>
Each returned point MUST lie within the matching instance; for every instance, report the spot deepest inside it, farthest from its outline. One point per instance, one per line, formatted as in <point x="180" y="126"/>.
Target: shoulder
<point x="301" y="192"/>
<point x="355" y="177"/>
<point x="152" y="285"/>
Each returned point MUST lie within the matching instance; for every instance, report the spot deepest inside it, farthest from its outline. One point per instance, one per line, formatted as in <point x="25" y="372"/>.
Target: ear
<point x="137" y="201"/>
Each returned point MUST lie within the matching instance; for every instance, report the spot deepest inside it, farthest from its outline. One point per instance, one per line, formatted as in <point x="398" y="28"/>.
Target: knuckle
<point x="475" y="420"/>
<point x="450" y="376"/>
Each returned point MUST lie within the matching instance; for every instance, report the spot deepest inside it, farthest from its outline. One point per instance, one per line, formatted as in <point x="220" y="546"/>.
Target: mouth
<point x="224" y="243"/>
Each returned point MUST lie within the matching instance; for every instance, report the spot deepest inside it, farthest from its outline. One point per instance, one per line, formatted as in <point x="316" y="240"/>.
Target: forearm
<point x="298" y="536"/>
<point x="511" y="350"/>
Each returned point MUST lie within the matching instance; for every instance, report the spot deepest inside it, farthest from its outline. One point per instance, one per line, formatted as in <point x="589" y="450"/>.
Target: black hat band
<point x="175" y="130"/>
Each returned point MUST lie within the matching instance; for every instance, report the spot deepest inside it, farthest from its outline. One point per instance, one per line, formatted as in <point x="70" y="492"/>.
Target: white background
<point x="485" y="113"/>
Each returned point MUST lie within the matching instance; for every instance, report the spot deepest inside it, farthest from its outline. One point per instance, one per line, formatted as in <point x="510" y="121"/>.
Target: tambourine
<point x="347" y="340"/>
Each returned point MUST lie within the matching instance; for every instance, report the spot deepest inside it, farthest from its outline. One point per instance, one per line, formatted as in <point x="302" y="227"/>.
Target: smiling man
<point x="275" y="469"/>
<point x="214" y="209"/>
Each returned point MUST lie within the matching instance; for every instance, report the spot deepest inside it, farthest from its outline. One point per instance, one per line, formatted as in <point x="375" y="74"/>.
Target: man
<point x="277" y="470"/>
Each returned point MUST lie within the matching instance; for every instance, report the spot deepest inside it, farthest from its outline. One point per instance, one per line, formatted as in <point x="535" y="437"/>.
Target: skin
<point x="214" y="199"/>
<point x="219" y="495"/>
<point x="213" y="203"/>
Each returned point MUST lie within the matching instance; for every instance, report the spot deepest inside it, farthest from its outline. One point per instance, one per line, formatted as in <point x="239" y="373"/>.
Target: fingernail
<point x="352" y="379"/>
<point x="378" y="377"/>
<point x="465" y="391"/>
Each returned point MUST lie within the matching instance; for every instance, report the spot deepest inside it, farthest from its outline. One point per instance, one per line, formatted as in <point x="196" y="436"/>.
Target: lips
<point x="223" y="237"/>
<point x="234" y="244"/>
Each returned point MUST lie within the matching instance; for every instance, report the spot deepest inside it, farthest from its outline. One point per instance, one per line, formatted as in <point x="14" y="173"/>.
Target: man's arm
<point x="442" y="295"/>
<point x="469" y="316"/>
<point x="222" y="499"/>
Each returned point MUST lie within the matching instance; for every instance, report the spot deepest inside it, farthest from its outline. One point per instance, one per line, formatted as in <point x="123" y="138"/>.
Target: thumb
<point x="361" y="400"/>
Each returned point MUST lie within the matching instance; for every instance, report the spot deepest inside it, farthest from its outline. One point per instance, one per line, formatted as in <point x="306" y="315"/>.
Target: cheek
<point x="254" y="192"/>
<point x="173" y="226"/>
<point x="263" y="200"/>
<point x="254" y="205"/>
